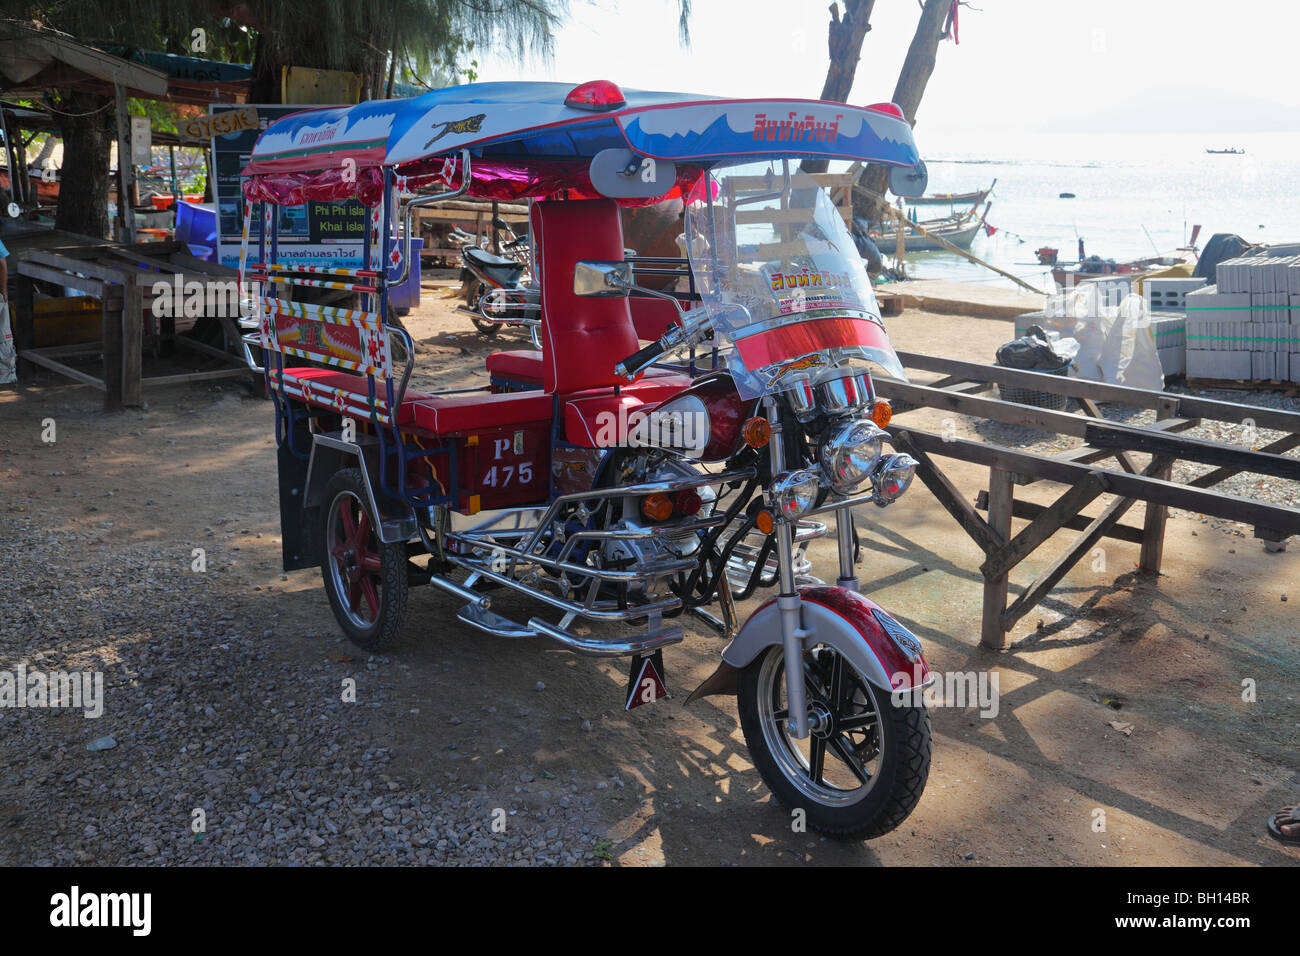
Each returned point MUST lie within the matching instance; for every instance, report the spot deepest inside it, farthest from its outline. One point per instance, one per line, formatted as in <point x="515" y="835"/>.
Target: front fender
<point x="882" y="649"/>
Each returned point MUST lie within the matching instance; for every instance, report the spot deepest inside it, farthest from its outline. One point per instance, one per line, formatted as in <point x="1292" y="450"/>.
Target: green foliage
<point x="164" y="25"/>
<point x="422" y="41"/>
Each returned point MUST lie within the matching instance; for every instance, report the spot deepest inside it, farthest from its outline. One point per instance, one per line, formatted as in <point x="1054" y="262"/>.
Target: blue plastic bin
<point x="405" y="297"/>
<point x="196" y="226"/>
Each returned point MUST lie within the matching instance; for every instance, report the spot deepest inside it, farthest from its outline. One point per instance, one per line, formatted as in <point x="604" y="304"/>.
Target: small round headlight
<point x="794" y="492"/>
<point x="893" y="478"/>
<point x="850" y="453"/>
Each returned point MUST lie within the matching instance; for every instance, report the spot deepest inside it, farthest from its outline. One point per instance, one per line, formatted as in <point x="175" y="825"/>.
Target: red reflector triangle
<point x="646" y="681"/>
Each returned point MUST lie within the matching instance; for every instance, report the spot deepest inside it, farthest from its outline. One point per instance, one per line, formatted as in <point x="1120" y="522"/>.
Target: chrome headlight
<point x="845" y="394"/>
<point x="893" y="478"/>
<point x="850" y="453"/>
<point x="793" y="492"/>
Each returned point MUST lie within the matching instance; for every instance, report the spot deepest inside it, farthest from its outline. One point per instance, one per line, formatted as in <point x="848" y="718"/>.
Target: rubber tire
<point x="393" y="585"/>
<point x="904" y="766"/>
<point x="473" y="292"/>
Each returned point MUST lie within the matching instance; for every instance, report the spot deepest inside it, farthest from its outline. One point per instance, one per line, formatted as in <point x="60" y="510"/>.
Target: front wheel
<point x="364" y="578"/>
<point x="474" y="292"/>
<point x="863" y="766"/>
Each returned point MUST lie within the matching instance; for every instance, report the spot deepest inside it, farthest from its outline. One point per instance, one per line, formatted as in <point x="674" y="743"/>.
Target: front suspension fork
<point x="793" y="633"/>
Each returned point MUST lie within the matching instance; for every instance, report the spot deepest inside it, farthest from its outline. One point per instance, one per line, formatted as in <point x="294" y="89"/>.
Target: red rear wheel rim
<point x="356" y="565"/>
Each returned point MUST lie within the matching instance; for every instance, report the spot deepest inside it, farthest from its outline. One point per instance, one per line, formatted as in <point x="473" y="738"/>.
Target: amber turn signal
<point x="763" y="522"/>
<point x="657" y="507"/>
<point x="757" y="432"/>
<point x="881" y="413"/>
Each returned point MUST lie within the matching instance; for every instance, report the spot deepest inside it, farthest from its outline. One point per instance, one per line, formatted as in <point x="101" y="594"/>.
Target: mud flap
<point x="722" y="682"/>
<point x="298" y="524"/>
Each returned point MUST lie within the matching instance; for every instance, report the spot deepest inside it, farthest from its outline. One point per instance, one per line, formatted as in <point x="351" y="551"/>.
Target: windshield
<point x="782" y="278"/>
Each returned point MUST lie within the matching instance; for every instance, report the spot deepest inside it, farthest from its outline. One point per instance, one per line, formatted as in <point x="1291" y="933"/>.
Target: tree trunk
<point x="264" y="85"/>
<point x="912" y="80"/>
<point x="918" y="66"/>
<point x="844" y="39"/>
<point x="43" y="157"/>
<point x="87" y="122"/>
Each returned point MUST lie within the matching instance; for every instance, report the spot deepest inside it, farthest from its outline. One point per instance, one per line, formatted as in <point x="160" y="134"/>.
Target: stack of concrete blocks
<point x="1167" y="299"/>
<point x="1247" y="326"/>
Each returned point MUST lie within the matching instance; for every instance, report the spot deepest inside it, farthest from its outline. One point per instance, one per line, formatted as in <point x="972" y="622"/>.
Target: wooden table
<point x="123" y="278"/>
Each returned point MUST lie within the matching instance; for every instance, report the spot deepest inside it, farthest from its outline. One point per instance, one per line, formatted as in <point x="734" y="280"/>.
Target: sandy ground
<point x="1049" y="779"/>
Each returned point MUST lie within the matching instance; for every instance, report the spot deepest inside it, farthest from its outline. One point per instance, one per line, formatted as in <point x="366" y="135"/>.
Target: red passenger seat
<point x="523" y="366"/>
<point x="440" y="414"/>
<point x="583" y="337"/>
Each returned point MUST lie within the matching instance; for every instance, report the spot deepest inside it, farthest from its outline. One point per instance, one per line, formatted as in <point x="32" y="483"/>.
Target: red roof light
<point x="595" y="95"/>
<point x="892" y="109"/>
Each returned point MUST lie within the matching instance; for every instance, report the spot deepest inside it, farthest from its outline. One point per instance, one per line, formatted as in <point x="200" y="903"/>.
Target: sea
<point x="1135" y="195"/>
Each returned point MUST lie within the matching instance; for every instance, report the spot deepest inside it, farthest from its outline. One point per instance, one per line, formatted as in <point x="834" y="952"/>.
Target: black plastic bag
<point x="1034" y="352"/>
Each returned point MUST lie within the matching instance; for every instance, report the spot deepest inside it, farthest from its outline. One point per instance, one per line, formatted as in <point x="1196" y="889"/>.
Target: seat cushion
<point x="440" y="414"/>
<point x="342" y="391"/>
<point x="480" y="411"/>
<point x="524" y="365"/>
<point x="583" y="337"/>
<point x="600" y="418"/>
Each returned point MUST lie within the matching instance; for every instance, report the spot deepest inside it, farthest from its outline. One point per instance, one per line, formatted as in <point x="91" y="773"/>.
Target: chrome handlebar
<point x="693" y="326"/>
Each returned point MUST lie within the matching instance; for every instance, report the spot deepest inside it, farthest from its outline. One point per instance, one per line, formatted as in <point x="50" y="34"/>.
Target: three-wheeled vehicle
<point x="615" y="484"/>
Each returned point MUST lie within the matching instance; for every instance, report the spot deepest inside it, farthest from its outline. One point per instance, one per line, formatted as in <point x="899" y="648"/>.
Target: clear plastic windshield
<point x="782" y="278"/>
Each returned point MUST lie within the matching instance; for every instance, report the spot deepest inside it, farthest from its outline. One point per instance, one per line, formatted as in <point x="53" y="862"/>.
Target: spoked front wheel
<point x="863" y="766"/>
<point x="364" y="578"/>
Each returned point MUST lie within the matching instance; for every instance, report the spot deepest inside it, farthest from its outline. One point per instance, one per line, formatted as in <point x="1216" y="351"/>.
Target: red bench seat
<point x="439" y="414"/>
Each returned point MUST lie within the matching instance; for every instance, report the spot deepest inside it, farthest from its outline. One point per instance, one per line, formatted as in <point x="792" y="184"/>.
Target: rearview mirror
<point x="909" y="181"/>
<point x="623" y="174"/>
<point x="594" y="277"/>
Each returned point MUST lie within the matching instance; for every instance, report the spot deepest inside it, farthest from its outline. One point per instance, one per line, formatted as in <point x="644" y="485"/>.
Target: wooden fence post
<point x="1153" y="521"/>
<point x="110" y="325"/>
<point x="1002" y="491"/>
<point x="132" y="340"/>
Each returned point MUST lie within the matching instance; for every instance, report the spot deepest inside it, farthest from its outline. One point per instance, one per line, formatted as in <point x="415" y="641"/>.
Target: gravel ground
<point x="203" y="714"/>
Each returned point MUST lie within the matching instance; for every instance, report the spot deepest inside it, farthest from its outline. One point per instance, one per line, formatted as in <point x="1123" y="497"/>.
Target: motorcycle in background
<point x="498" y="289"/>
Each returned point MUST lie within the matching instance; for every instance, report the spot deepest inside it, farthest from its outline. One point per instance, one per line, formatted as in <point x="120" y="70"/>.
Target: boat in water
<point x="961" y="200"/>
<point x="958" y="230"/>
<point x="1069" y="274"/>
<point x="1229" y="151"/>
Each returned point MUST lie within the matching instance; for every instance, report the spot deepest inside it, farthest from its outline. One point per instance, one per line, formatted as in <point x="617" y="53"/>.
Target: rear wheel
<point x="863" y="766"/>
<point x="366" y="580"/>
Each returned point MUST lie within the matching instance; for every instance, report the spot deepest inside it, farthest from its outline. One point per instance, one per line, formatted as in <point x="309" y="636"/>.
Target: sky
<point x="1051" y="65"/>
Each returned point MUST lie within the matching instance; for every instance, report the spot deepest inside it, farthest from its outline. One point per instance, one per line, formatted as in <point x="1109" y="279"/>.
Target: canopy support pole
<point x="125" y="171"/>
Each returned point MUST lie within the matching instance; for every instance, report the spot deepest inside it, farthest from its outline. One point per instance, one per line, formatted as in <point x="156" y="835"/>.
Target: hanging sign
<point x="200" y="129"/>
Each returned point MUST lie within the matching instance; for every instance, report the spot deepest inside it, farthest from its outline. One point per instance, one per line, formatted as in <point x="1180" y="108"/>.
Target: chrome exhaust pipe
<point x="472" y="598"/>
